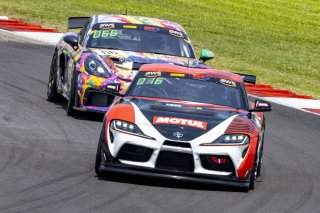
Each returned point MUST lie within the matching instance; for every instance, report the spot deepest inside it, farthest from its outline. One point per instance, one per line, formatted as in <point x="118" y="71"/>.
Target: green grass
<point x="277" y="40"/>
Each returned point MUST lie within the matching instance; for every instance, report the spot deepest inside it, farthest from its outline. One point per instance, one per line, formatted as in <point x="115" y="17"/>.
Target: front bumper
<point x="183" y="162"/>
<point x="91" y="92"/>
<point x="170" y="174"/>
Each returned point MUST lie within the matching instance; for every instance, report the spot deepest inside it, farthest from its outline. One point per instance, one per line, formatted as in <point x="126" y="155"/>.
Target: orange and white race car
<point x="184" y="123"/>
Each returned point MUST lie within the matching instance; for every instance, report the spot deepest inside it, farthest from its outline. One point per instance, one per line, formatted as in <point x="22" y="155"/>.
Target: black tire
<point x="260" y="158"/>
<point x="72" y="97"/>
<point x="252" y="180"/>
<point x="52" y="94"/>
<point x="98" y="160"/>
<point x="253" y="175"/>
<point x="99" y="154"/>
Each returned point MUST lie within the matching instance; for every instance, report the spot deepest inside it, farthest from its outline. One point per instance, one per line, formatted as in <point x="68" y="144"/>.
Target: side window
<point x="84" y="31"/>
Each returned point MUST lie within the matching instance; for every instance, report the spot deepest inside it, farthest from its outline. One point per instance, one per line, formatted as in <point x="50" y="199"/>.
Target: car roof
<point x="187" y="70"/>
<point x="137" y="20"/>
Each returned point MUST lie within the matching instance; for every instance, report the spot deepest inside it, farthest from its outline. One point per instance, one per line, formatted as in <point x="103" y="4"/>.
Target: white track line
<point x="296" y="102"/>
<point x="50" y="38"/>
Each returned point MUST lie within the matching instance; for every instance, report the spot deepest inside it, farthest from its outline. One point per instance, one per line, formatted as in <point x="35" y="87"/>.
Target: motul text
<point x="180" y="121"/>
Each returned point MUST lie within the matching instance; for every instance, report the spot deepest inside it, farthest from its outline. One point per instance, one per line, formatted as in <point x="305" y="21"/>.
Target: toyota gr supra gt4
<point x="184" y="123"/>
<point x="109" y="50"/>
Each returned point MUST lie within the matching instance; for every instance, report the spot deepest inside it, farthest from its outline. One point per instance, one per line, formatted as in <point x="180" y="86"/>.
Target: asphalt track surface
<point x="47" y="158"/>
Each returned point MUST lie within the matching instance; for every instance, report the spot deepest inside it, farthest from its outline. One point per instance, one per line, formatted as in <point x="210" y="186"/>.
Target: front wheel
<point x="72" y="95"/>
<point x="260" y="158"/>
<point x="98" y="160"/>
<point x="52" y="93"/>
<point x="254" y="173"/>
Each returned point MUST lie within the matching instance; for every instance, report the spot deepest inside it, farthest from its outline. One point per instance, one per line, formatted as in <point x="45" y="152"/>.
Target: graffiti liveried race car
<point x="184" y="123"/>
<point x="109" y="50"/>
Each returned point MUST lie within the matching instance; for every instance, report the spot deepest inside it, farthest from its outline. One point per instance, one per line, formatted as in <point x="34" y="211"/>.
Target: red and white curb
<point x="285" y="97"/>
<point x="267" y="92"/>
<point x="35" y="32"/>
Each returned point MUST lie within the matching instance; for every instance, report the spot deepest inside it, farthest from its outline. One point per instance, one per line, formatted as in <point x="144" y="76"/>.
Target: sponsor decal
<point x="129" y="27"/>
<point x="177" y="74"/>
<point x="176" y="33"/>
<point x="180" y="121"/>
<point x="107" y="26"/>
<point x="228" y="83"/>
<point x="173" y="105"/>
<point x="107" y="52"/>
<point x="152" y="74"/>
<point x="151" y="28"/>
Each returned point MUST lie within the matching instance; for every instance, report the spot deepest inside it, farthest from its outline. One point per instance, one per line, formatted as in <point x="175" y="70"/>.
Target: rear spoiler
<point x="251" y="79"/>
<point x="77" y="22"/>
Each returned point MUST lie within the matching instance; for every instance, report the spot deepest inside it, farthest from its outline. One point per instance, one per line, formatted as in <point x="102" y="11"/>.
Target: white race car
<point x="184" y="123"/>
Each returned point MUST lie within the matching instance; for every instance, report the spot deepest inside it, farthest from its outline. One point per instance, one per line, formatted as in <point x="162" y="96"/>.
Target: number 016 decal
<point x="156" y="81"/>
<point x="105" y="33"/>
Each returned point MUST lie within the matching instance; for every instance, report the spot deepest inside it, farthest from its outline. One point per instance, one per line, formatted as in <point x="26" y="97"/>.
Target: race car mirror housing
<point x="206" y="55"/>
<point x="261" y="106"/>
<point x="72" y="40"/>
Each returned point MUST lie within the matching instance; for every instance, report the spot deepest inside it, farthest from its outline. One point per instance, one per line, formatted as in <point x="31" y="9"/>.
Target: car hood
<point x="180" y="120"/>
<point x="127" y="63"/>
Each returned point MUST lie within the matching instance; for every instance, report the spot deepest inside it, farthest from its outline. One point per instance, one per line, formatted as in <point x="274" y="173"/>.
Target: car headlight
<point x="95" y="67"/>
<point x="230" y="139"/>
<point x="128" y="127"/>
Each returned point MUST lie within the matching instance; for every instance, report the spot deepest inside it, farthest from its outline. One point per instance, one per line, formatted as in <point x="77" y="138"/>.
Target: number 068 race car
<point x="185" y="123"/>
<point x="109" y="50"/>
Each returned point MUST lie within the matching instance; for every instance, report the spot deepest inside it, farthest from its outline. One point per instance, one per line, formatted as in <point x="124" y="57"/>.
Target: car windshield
<point x="140" y="38"/>
<point x="187" y="87"/>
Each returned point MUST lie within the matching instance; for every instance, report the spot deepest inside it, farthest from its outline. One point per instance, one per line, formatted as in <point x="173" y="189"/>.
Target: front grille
<point x="175" y="161"/>
<point x="177" y="144"/>
<point x="97" y="98"/>
<point x="222" y="164"/>
<point x="134" y="153"/>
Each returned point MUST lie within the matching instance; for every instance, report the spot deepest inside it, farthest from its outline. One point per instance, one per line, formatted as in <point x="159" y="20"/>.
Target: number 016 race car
<point x="185" y="123"/>
<point x="110" y="50"/>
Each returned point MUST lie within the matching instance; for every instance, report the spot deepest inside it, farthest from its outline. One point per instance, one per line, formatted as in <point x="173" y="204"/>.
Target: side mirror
<point x="261" y="106"/>
<point x="206" y="55"/>
<point x="113" y="89"/>
<point x="72" y="40"/>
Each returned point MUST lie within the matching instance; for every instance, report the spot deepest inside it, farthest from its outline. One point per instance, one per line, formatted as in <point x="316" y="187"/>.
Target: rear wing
<point x="77" y="22"/>
<point x="251" y="79"/>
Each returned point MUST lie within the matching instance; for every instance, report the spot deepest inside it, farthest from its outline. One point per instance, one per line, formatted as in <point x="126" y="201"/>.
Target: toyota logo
<point x="178" y="135"/>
